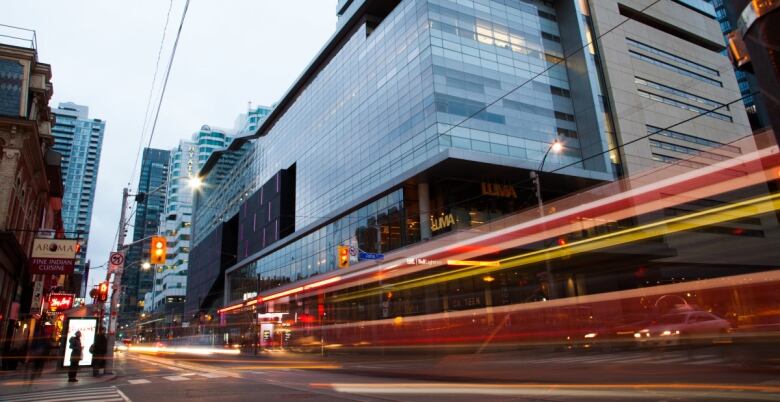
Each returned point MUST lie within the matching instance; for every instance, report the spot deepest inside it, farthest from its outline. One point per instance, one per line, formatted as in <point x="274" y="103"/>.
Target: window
<point x="690" y="138"/>
<point x="677" y="92"/>
<point x="551" y="37"/>
<point x="560" y="91"/>
<point x="683" y="105"/>
<point x="676" y="69"/>
<point x="686" y="150"/>
<point x="672" y="57"/>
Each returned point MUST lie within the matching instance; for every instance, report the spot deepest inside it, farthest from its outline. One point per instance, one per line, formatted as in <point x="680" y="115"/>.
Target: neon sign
<point x="60" y="302"/>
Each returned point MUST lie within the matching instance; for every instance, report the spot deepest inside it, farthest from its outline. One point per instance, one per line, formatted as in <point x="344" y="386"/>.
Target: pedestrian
<point x="39" y="353"/>
<point x="75" y="356"/>
<point x="99" y="350"/>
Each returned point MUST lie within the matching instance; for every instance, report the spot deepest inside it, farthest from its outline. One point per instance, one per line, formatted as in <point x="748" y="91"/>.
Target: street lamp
<point x="556" y="147"/>
<point x="146" y="265"/>
<point x="195" y="182"/>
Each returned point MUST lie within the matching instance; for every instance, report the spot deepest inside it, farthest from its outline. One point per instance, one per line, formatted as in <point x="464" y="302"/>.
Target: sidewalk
<point x="51" y="378"/>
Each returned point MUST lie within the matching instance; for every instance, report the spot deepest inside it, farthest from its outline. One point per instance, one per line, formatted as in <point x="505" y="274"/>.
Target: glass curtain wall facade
<point x="170" y="280"/>
<point x="414" y="88"/>
<point x="79" y="140"/>
<point x="746" y="81"/>
<point x="136" y="282"/>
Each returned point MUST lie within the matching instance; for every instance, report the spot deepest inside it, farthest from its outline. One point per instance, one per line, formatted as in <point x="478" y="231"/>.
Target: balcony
<point x="20" y="37"/>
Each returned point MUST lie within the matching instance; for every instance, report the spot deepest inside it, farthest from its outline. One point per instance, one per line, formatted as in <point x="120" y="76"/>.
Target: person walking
<point x="75" y="356"/>
<point x="99" y="350"/>
<point x="39" y="355"/>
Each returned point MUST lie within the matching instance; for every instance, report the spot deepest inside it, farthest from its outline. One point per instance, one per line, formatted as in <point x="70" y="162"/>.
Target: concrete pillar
<point x="424" y="204"/>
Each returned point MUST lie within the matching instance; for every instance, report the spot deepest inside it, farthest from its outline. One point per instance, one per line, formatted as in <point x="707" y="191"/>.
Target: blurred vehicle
<point x="691" y="326"/>
<point x="613" y="337"/>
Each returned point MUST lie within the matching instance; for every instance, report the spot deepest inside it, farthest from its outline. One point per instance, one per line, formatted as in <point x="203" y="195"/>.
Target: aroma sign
<point x="499" y="190"/>
<point x="53" y="256"/>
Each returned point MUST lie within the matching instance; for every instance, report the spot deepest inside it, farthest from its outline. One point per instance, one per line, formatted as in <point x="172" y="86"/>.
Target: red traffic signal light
<point x="102" y="291"/>
<point x="158" y="250"/>
<point x="343" y="256"/>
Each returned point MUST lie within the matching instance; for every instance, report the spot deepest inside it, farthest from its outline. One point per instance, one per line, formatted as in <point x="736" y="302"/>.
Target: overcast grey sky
<point x="103" y="55"/>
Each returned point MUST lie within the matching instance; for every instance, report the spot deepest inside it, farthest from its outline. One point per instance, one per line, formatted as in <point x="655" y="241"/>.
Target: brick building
<point x="30" y="182"/>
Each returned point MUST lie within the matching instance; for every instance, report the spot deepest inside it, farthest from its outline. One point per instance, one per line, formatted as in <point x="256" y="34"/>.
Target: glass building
<point x="747" y="82"/>
<point x="422" y="118"/>
<point x="79" y="139"/>
<point x="166" y="298"/>
<point x="149" y="205"/>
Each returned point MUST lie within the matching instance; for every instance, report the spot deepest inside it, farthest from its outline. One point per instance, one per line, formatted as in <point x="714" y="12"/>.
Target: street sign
<point x="116" y="261"/>
<point x="370" y="256"/>
<point x="37" y="297"/>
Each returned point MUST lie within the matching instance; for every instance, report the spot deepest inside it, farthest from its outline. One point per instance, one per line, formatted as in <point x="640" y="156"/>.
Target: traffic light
<point x="343" y="256"/>
<point x="159" y="250"/>
<point x="102" y="294"/>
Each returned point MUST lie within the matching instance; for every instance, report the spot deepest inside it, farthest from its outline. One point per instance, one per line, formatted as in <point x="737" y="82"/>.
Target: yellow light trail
<point x="724" y="213"/>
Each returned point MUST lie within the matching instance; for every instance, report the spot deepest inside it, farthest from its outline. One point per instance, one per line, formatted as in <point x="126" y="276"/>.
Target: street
<point x="667" y="375"/>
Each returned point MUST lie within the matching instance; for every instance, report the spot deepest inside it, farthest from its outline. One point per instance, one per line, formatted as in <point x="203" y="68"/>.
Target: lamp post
<point x="556" y="147"/>
<point x="195" y="183"/>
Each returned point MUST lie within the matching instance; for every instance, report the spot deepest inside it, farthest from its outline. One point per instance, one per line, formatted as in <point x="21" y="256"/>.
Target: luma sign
<point x="441" y="222"/>
<point x="499" y="190"/>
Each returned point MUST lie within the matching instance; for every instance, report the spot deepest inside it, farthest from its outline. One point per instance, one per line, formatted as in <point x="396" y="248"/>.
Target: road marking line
<point x="709" y="361"/>
<point x="213" y="375"/>
<point x="122" y="394"/>
<point x="101" y="394"/>
<point x="139" y="381"/>
<point x="176" y="378"/>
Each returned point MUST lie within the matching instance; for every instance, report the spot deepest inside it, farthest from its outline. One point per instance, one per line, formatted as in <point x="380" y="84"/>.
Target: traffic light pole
<point x="114" y="303"/>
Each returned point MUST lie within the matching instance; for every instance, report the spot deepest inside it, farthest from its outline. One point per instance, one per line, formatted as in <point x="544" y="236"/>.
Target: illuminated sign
<point x="60" y="302"/>
<point x="86" y="326"/>
<point x="499" y="190"/>
<point x="249" y="295"/>
<point x="442" y="222"/>
<point x="53" y="256"/>
<point x="54" y="248"/>
<point x="422" y="261"/>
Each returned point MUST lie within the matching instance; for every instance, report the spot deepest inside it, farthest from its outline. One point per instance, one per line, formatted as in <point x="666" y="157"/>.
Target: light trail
<point x="187" y="350"/>
<point x="649" y="192"/>
<point x="687" y="222"/>
<point x="728" y="392"/>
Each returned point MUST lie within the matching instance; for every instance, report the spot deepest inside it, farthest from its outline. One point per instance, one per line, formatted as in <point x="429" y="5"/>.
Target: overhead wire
<point x="151" y="93"/>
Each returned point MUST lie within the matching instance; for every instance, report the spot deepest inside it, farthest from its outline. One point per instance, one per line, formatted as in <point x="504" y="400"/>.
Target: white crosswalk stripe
<point x="101" y="394"/>
<point x="213" y="375"/>
<point x="176" y="378"/>
<point x="139" y="381"/>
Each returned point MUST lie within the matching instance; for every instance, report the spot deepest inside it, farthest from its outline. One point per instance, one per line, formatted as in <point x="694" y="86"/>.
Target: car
<point x="691" y="326"/>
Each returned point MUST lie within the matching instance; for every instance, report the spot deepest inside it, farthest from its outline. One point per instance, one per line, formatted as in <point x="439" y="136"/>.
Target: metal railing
<point x="16" y="36"/>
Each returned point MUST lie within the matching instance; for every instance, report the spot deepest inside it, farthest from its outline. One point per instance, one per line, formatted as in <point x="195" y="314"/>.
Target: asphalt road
<point x="511" y="376"/>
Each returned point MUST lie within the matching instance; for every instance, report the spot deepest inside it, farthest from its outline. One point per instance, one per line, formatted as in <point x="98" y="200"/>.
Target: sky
<point x="103" y="55"/>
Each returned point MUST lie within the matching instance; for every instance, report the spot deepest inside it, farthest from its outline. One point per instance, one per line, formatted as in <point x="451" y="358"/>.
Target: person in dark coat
<point x="99" y="350"/>
<point x="75" y="355"/>
<point x="39" y="353"/>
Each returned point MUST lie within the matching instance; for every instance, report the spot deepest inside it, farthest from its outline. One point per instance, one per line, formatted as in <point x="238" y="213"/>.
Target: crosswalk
<point x="99" y="394"/>
<point x="179" y="376"/>
<point x="632" y="358"/>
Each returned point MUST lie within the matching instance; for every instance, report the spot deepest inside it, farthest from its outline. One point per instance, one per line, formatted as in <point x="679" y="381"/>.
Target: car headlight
<point x="590" y="335"/>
